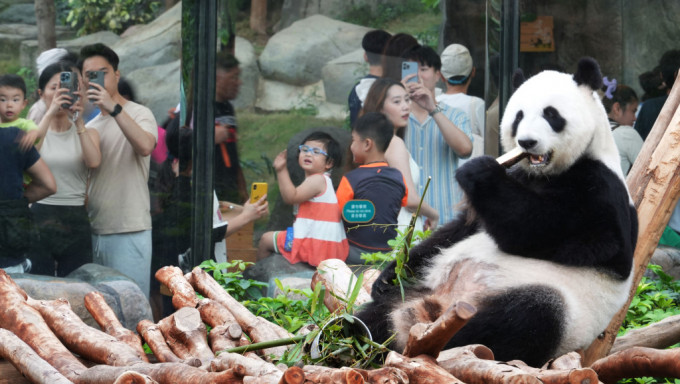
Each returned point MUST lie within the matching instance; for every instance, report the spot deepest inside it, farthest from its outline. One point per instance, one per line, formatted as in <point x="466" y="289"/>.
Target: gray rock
<point x="11" y="36"/>
<point x="157" y="88"/>
<point x="341" y="74"/>
<point x="158" y="42"/>
<point x="122" y="294"/>
<point x="668" y="258"/>
<point x="250" y="73"/>
<point x="279" y="96"/>
<point x="18" y="13"/>
<point x="293" y="10"/>
<point x="297" y="54"/>
<point x="29" y="48"/>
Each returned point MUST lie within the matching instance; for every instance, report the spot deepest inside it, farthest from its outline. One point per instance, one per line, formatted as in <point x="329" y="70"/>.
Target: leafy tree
<point x="89" y="16"/>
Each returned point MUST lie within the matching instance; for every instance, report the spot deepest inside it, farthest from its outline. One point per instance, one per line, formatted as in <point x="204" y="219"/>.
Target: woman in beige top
<point x="70" y="150"/>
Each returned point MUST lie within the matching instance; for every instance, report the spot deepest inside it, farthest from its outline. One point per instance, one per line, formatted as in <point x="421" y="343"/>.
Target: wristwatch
<point x="116" y="110"/>
<point x="436" y="109"/>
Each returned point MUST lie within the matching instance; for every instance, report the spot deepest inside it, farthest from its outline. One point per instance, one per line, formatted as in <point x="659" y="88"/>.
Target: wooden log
<point x="384" y="375"/>
<point x="339" y="282"/>
<point x="370" y="276"/>
<point x="89" y="343"/>
<point x="261" y="370"/>
<point x="258" y="328"/>
<point x="183" y="294"/>
<point x="472" y="365"/>
<point x="225" y="332"/>
<point x="421" y="369"/>
<point x="293" y="375"/>
<point x="109" y="323"/>
<point x="151" y="333"/>
<point x="26" y="361"/>
<point x="26" y="323"/>
<point x="160" y="372"/>
<point x="430" y="339"/>
<point x="654" y="185"/>
<point x="571" y="360"/>
<point x="318" y="374"/>
<point x="638" y="362"/>
<point x="129" y="377"/>
<point x="660" y="335"/>
<point x="186" y="334"/>
<point x="558" y="376"/>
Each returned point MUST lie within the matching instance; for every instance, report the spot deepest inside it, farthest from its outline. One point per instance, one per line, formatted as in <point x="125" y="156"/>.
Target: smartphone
<point x="96" y="77"/>
<point x="408" y="68"/>
<point x="257" y="190"/>
<point x="69" y="80"/>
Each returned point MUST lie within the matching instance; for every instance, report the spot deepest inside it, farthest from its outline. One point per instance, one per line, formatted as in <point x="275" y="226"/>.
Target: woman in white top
<point x="391" y="98"/>
<point x="70" y="151"/>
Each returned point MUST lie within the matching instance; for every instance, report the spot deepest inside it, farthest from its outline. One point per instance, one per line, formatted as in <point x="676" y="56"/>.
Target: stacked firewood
<point x="48" y="343"/>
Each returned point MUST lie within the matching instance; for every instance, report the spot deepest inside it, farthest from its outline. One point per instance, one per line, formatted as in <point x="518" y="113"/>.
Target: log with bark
<point x="27" y="323"/>
<point x="430" y="339"/>
<point x="26" y="361"/>
<point x="339" y="282"/>
<point x="421" y="369"/>
<point x="153" y="336"/>
<point x="226" y="332"/>
<point x="186" y="334"/>
<point x="183" y="294"/>
<point x="258" y="328"/>
<point x="161" y="373"/>
<point x="89" y="343"/>
<point x="318" y="374"/>
<point x="109" y="323"/>
<point x="662" y="334"/>
<point x="638" y="362"/>
<point x="264" y="371"/>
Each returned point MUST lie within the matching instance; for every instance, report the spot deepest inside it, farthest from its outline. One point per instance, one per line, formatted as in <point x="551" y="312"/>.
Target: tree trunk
<point x="46" y="18"/>
<point x="183" y="294"/>
<point x="339" y="282"/>
<point x="258" y="16"/>
<point x="186" y="335"/>
<point x="654" y="185"/>
<point x="422" y="369"/>
<point x="156" y="342"/>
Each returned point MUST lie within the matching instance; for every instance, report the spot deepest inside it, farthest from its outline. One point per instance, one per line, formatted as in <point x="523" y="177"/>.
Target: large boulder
<point x="157" y="88"/>
<point x="293" y="10"/>
<point x="158" y="42"/>
<point x="341" y="74"/>
<point x="297" y="54"/>
<point x="250" y="73"/>
<point x="29" y="48"/>
<point x="18" y="13"/>
<point x="121" y="294"/>
<point x="278" y="96"/>
<point x="11" y="36"/>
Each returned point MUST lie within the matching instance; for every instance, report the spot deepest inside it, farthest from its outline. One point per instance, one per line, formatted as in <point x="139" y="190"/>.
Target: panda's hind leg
<point x="523" y="323"/>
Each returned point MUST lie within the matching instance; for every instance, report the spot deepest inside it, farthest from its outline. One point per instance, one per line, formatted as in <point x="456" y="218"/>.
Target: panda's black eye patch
<point x="515" y="124"/>
<point x="553" y="117"/>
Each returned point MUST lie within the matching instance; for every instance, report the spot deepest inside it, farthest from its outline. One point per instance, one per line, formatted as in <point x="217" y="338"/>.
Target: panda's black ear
<point x="518" y="78"/>
<point x="588" y="73"/>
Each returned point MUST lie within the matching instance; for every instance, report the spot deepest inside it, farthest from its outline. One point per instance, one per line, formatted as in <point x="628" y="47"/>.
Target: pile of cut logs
<point x="48" y="343"/>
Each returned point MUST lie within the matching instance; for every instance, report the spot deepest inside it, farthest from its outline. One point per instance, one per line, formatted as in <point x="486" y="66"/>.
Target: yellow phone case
<point x="257" y="190"/>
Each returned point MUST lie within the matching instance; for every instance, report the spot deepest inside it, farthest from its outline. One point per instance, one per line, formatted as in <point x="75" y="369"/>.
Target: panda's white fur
<point x="547" y="255"/>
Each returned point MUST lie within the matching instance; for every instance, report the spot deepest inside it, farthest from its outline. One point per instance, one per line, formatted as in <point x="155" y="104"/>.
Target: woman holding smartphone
<point x="70" y="151"/>
<point x="391" y="99"/>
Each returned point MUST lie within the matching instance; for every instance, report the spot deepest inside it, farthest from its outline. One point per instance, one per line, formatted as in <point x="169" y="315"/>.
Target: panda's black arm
<point x="567" y="218"/>
<point x="420" y="255"/>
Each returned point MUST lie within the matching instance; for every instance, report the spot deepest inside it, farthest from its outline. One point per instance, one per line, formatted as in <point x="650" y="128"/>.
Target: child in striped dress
<point x="318" y="233"/>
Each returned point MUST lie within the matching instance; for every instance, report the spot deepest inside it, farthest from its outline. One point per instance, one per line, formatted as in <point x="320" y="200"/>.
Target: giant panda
<point x="544" y="249"/>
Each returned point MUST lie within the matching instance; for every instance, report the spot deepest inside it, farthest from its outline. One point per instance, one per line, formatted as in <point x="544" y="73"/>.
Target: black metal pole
<point x="509" y="51"/>
<point x="204" y="130"/>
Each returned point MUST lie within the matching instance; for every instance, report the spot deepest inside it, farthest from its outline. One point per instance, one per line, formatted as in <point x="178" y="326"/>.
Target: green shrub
<point x="88" y="16"/>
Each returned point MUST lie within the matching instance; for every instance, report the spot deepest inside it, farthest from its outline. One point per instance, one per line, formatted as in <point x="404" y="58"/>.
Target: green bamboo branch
<point x="265" y="345"/>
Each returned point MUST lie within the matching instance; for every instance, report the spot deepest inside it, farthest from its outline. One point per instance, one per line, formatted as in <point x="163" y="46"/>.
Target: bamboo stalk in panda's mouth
<point x="512" y="157"/>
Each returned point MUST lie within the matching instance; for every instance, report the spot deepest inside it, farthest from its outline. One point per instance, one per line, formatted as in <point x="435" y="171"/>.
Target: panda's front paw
<point x="384" y="284"/>
<point x="477" y="172"/>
